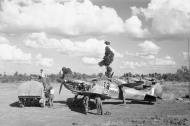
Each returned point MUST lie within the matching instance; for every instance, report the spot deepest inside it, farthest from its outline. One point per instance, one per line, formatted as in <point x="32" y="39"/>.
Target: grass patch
<point x="172" y="90"/>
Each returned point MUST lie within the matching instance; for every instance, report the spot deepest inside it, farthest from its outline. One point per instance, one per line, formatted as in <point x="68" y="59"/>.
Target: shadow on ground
<point x="61" y="102"/>
<point x="15" y="104"/>
<point x="77" y="105"/>
<point x="141" y="102"/>
<point x="129" y="102"/>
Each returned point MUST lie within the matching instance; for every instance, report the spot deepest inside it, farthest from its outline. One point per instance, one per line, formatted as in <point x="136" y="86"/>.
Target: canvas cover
<point x="31" y="88"/>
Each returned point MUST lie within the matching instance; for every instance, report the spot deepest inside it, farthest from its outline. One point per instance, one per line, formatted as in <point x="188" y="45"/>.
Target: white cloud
<point x="90" y="60"/>
<point x="148" y="47"/>
<point x="141" y="54"/>
<point x="66" y="18"/>
<point x="151" y="63"/>
<point x="40" y="40"/>
<point x="3" y="40"/>
<point x="166" y="61"/>
<point x="89" y="48"/>
<point x="148" y="50"/>
<point x="12" y="53"/>
<point x="146" y="56"/>
<point x="130" y="54"/>
<point x="185" y="55"/>
<point x="168" y="57"/>
<point x="133" y="26"/>
<point x="168" y="17"/>
<point x="133" y="64"/>
<point x="44" y="62"/>
<point x="71" y="18"/>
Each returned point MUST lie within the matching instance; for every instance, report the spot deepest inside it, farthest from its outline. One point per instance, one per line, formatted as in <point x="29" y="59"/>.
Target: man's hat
<point x="107" y="43"/>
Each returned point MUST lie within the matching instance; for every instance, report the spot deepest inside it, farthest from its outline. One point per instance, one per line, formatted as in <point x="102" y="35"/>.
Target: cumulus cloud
<point x="44" y="62"/>
<point x="91" y="48"/>
<point x="168" y="17"/>
<point x="70" y="18"/>
<point x="149" y="54"/>
<point x="148" y="50"/>
<point x="40" y="40"/>
<point x="141" y="55"/>
<point x="149" y="64"/>
<point x="13" y="54"/>
<point x="166" y="61"/>
<point x="3" y="40"/>
<point x="133" y="26"/>
<point x="133" y="64"/>
<point x="149" y="47"/>
<point x="91" y="60"/>
<point x="185" y="55"/>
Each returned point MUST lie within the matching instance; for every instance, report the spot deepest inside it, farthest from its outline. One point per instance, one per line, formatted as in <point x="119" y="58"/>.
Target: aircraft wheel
<point x="123" y="95"/>
<point x="99" y="106"/>
<point x="150" y="102"/>
<point x="85" y="102"/>
<point x="74" y="103"/>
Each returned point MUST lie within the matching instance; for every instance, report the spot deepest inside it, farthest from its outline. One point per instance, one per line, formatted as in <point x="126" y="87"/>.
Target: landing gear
<point x="85" y="102"/>
<point x="99" y="106"/>
<point x="123" y="95"/>
<point x="98" y="103"/>
<point x="75" y="98"/>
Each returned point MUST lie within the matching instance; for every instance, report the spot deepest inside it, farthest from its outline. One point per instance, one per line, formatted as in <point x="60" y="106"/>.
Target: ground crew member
<point x="51" y="96"/>
<point x="43" y="78"/>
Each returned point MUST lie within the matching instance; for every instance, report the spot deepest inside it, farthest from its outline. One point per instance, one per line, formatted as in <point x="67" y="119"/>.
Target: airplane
<point x="100" y="89"/>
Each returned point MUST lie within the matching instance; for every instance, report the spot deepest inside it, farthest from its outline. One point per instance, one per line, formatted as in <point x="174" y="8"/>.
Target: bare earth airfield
<point x="150" y="37"/>
<point x="168" y="112"/>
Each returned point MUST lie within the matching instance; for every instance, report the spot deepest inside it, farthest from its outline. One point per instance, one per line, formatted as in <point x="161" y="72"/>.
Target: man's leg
<point x="52" y="99"/>
<point x="44" y="83"/>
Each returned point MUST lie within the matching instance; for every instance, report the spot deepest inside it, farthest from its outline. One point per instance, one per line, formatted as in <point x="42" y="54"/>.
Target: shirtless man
<point x="43" y="78"/>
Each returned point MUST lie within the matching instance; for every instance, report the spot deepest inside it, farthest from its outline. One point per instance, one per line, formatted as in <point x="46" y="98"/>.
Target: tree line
<point x="182" y="75"/>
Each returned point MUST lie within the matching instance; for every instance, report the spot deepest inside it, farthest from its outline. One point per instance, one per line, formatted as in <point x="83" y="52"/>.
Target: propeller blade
<point x="60" y="87"/>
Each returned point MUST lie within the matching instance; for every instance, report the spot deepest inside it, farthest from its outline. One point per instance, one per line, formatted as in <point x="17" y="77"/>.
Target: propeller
<point x="60" y="88"/>
<point x="62" y="82"/>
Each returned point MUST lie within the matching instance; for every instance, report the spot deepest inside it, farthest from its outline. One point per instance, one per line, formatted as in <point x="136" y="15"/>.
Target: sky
<point x="146" y="35"/>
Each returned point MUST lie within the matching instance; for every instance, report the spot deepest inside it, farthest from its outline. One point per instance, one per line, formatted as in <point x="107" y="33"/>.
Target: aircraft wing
<point x="87" y="93"/>
<point x="135" y="83"/>
<point x="132" y="85"/>
<point x="73" y="87"/>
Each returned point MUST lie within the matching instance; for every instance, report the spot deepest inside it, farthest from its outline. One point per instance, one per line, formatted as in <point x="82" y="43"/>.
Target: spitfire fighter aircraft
<point x="101" y="89"/>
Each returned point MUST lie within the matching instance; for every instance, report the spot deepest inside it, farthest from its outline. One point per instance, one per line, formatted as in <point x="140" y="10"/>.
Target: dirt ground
<point x="162" y="113"/>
